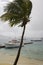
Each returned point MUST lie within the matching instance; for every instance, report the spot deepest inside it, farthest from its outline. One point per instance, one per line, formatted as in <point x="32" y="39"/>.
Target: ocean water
<point x="32" y="51"/>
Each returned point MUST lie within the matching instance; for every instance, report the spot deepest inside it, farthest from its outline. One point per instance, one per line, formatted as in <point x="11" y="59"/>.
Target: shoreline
<point x="6" y="59"/>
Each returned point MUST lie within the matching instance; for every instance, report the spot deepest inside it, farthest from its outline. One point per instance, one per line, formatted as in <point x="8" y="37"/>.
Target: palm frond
<point x="17" y="11"/>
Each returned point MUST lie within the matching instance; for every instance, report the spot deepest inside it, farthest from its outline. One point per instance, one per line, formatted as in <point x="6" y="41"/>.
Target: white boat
<point x="12" y="45"/>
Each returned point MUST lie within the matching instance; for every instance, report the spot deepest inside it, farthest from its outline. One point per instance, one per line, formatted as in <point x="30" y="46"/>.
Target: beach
<point x="6" y="59"/>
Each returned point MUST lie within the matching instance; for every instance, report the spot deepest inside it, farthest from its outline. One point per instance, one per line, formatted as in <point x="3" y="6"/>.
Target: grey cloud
<point x="37" y="15"/>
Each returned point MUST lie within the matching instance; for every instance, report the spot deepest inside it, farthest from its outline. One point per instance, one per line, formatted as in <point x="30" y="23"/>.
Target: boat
<point x="13" y="45"/>
<point x="30" y="42"/>
<point x="10" y="45"/>
<point x="36" y="40"/>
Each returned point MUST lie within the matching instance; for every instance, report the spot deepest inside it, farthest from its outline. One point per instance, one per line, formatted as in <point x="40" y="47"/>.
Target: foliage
<point x="17" y="11"/>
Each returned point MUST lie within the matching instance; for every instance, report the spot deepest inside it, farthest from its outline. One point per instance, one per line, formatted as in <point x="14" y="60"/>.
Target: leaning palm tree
<point x="17" y="12"/>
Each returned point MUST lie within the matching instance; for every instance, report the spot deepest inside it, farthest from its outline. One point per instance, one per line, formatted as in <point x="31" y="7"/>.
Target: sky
<point x="33" y="29"/>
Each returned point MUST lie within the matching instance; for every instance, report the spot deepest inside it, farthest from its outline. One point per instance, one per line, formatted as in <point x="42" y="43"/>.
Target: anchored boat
<point x="13" y="44"/>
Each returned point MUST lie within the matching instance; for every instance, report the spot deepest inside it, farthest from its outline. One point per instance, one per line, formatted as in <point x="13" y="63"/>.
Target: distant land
<point x="2" y="37"/>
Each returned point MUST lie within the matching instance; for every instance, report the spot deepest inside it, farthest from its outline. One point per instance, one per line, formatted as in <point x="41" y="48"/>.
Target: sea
<point x="32" y="51"/>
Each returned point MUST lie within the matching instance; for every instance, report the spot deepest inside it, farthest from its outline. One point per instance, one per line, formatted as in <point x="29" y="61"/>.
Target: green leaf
<point x="17" y="11"/>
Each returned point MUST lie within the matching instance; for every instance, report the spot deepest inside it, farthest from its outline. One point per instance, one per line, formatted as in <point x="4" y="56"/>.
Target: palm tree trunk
<point x="18" y="55"/>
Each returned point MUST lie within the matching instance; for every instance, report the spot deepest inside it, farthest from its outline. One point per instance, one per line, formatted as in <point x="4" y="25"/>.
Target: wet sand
<point x="6" y="59"/>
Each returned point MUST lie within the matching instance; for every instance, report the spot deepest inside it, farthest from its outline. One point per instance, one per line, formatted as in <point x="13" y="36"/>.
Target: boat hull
<point x="12" y="45"/>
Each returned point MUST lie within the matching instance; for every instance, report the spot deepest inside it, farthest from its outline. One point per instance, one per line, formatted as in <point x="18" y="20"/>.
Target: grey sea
<point x="32" y="51"/>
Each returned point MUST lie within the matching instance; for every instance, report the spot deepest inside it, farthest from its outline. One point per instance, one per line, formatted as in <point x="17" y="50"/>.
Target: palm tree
<point x="17" y="12"/>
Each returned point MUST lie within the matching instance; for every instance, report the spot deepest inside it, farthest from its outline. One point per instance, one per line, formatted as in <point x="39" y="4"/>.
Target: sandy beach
<point x="6" y="59"/>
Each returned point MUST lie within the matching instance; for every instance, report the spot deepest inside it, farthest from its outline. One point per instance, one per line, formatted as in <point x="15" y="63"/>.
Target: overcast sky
<point x="33" y="29"/>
